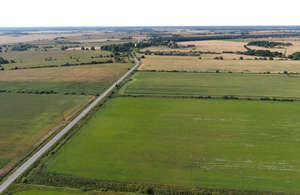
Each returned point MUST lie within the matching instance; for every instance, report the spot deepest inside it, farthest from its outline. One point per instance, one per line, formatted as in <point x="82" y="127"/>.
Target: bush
<point x="268" y="44"/>
<point x="295" y="56"/>
<point x="23" y="47"/>
<point x="3" y="61"/>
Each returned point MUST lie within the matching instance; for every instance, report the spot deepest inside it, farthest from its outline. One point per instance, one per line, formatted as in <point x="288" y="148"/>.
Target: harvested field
<point x="25" y="119"/>
<point x="220" y="144"/>
<point x="191" y="63"/>
<point x="216" y="45"/>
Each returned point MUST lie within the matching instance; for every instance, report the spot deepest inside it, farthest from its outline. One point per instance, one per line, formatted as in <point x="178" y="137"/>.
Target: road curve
<point x="46" y="147"/>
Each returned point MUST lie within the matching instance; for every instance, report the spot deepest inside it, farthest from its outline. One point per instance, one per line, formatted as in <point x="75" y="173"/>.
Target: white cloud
<point x="147" y="13"/>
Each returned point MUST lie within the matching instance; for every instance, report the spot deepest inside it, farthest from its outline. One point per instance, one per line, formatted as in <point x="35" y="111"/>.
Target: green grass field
<point x="212" y="84"/>
<point x="59" y="87"/>
<point x="249" y="145"/>
<point x="25" y="119"/>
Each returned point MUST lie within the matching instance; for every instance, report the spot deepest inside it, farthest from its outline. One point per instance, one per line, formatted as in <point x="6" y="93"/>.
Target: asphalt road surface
<point x="37" y="155"/>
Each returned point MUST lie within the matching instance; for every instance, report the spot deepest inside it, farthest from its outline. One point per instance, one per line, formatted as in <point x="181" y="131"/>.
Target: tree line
<point x="179" y="38"/>
<point x="23" y="47"/>
<point x="262" y="53"/>
<point x="268" y="44"/>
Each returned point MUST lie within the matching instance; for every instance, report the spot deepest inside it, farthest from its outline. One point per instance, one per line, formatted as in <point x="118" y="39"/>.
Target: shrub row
<point x="66" y="64"/>
<point x="218" y="71"/>
<point x="37" y="92"/>
<point x="48" y="92"/>
<point x="278" y="99"/>
<point x="119" y="186"/>
<point x="176" y="53"/>
<point x="226" y="97"/>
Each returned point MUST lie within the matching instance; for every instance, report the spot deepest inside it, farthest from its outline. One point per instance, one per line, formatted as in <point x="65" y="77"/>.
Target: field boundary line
<point x="28" y="163"/>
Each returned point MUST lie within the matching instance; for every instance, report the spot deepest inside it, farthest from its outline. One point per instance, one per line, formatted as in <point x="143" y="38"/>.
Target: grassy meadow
<point x="225" y="144"/>
<point x="25" y="119"/>
<point x="208" y="64"/>
<point x="89" y="79"/>
<point x="212" y="84"/>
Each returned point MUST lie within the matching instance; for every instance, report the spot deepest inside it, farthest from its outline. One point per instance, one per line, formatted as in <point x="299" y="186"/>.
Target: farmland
<point x="89" y="79"/>
<point x="205" y="113"/>
<point x="32" y="58"/>
<point x="206" y="143"/>
<point x="216" y="45"/>
<point x="212" y="84"/>
<point x="191" y="63"/>
<point x="25" y="119"/>
<point x="232" y="45"/>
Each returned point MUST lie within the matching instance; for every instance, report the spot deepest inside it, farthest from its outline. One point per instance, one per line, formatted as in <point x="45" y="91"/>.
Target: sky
<point x="43" y="13"/>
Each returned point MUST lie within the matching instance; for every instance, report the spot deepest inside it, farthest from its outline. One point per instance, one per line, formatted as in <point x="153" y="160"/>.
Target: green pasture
<point x="213" y="84"/>
<point x="220" y="144"/>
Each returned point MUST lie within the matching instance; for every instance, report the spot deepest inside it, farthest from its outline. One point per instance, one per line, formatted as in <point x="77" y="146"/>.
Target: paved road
<point x="37" y="155"/>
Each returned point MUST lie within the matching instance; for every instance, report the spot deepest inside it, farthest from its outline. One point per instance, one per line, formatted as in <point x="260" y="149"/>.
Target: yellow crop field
<point x="216" y="45"/>
<point x="191" y="63"/>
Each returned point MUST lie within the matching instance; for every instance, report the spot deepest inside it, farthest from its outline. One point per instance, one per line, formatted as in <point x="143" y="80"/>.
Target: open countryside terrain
<point x="26" y="119"/>
<point x="225" y="144"/>
<point x="190" y="121"/>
